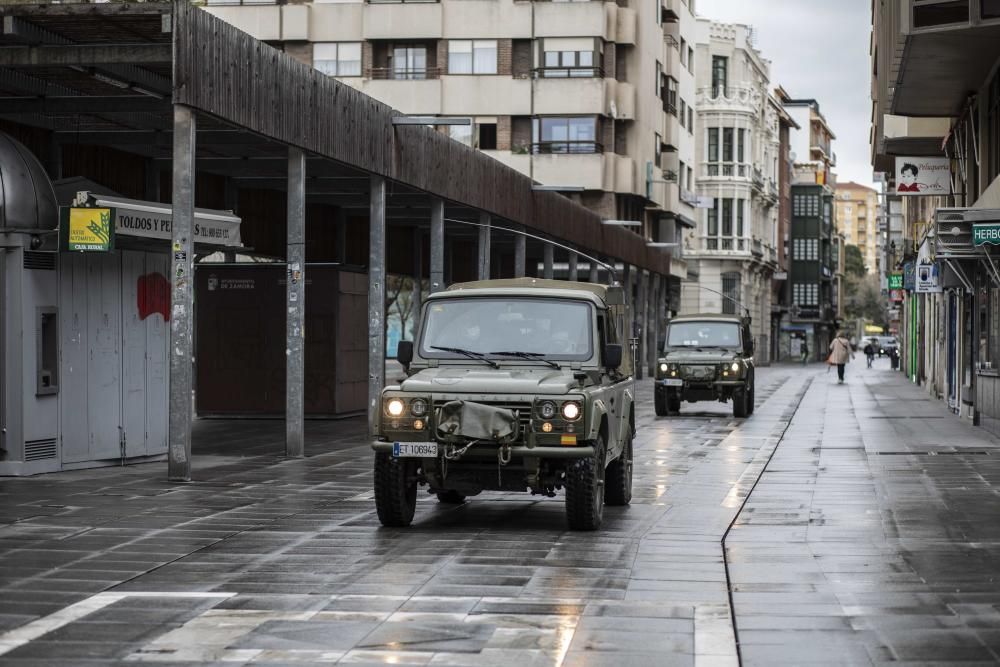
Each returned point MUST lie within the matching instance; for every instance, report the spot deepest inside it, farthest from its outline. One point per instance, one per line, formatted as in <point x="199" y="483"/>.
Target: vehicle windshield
<point x="547" y="328"/>
<point x="703" y="334"/>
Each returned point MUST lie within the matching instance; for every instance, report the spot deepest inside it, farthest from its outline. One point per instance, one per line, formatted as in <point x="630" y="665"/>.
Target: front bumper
<point x="698" y="383"/>
<point x="576" y="452"/>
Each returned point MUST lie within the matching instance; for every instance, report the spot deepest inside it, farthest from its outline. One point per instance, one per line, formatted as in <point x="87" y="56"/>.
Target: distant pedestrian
<point x="805" y="352"/>
<point x="840" y="355"/>
<point x="869" y="353"/>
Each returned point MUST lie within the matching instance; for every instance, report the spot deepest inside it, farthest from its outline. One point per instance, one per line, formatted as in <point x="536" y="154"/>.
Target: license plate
<point x="673" y="382"/>
<point x="402" y="450"/>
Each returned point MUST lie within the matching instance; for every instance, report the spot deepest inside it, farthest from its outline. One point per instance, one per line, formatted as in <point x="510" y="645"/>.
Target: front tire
<point x="395" y="491"/>
<point x="660" y="403"/>
<point x="674" y="404"/>
<point x="585" y="490"/>
<point x="740" y="403"/>
<point x="618" y="477"/>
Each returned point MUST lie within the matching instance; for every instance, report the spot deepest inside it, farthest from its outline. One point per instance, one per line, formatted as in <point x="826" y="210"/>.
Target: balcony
<point x="738" y="99"/>
<point x="580" y="19"/>
<point x="724" y="246"/>
<point x="411" y="96"/>
<point x="592" y="171"/>
<point x="403" y="74"/>
<point x="574" y="96"/>
<point x="399" y="21"/>
<point x="486" y="95"/>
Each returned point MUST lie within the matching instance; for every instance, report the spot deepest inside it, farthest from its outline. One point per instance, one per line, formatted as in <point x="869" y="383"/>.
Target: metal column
<point x="418" y="272"/>
<point x="657" y="301"/>
<point x="437" y="245"/>
<point x="573" y="272"/>
<point x="548" y="255"/>
<point x="295" y="322"/>
<point x="520" y="255"/>
<point x="641" y="305"/>
<point x="376" y="303"/>
<point x="484" y="246"/>
<point x="181" y="297"/>
<point x="593" y="272"/>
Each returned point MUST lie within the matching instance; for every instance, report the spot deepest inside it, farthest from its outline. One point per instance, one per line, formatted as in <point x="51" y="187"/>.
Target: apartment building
<point x="595" y="97"/>
<point x="816" y="246"/>
<point x="738" y="133"/>
<point x="856" y="209"/>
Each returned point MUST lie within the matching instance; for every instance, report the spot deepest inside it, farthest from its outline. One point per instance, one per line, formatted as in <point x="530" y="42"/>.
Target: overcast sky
<point x="818" y="49"/>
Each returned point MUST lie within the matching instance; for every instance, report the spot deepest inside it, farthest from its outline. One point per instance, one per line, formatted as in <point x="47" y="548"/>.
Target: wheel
<point x="740" y="403"/>
<point x="752" y="399"/>
<point x="660" y="403"/>
<point x="395" y="490"/>
<point x="618" y="476"/>
<point x="674" y="404"/>
<point x="450" y="497"/>
<point x="584" y="490"/>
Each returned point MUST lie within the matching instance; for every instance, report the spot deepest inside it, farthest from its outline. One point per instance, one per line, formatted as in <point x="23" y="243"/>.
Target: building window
<point x="805" y="250"/>
<point x="658" y="149"/>
<point x="409" y="62"/>
<point x="740" y="139"/>
<point x="477" y="135"/>
<point x="680" y="175"/>
<point x="669" y="94"/>
<point x="569" y="57"/>
<point x="690" y="178"/>
<point x="727" y="216"/>
<point x="713" y="219"/>
<point x="690" y="60"/>
<point x="487" y="136"/>
<point x="713" y="146"/>
<point x="731" y="290"/>
<point x="472" y="56"/>
<point x="683" y="112"/>
<point x="337" y="58"/>
<point x="462" y="133"/>
<point x="683" y="51"/>
<point x="805" y="294"/>
<point x="690" y="120"/>
<point x="720" y="75"/>
<point x="565" y="135"/>
<point x="740" y="205"/>
<point x="727" y="144"/>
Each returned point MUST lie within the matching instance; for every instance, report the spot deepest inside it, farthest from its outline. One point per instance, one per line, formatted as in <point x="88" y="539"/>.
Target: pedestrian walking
<point x="805" y="352"/>
<point x="869" y="353"/>
<point x="840" y="354"/>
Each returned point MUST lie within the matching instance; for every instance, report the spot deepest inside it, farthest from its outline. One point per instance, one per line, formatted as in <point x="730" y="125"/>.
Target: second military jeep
<point x="511" y="385"/>
<point x="706" y="358"/>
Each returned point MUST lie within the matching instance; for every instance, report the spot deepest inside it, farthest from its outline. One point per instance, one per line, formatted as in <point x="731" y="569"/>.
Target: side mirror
<point x="404" y="353"/>
<point x="612" y="355"/>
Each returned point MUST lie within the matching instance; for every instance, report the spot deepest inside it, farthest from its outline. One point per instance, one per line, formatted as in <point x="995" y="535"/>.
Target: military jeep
<point x="706" y="358"/>
<point x="511" y="385"/>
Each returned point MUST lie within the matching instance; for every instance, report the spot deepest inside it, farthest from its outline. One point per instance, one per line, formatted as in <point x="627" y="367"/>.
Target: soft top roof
<point x="711" y="317"/>
<point x="600" y="291"/>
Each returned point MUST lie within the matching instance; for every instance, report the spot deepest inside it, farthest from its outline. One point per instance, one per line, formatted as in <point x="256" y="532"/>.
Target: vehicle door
<point x="619" y="389"/>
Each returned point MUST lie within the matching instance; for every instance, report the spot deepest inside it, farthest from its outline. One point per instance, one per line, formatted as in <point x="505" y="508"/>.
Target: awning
<point x="153" y="220"/>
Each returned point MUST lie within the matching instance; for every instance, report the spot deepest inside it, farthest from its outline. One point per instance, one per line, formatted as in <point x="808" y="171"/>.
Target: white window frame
<point x="338" y="64"/>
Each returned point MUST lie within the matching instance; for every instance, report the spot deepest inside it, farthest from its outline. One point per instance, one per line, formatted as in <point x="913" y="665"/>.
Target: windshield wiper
<point x="531" y="356"/>
<point x="469" y="353"/>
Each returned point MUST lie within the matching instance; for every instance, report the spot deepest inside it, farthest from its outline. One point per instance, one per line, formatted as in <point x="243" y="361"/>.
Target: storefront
<point x="85" y="331"/>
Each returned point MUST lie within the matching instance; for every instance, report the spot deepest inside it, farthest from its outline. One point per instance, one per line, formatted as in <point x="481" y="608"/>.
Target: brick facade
<point x="442" y="56"/>
<point x="504" y="56"/>
<point x="520" y="132"/>
<point x="504" y="133"/>
<point x="301" y="51"/>
<point x="521" y="58"/>
<point x="366" y="59"/>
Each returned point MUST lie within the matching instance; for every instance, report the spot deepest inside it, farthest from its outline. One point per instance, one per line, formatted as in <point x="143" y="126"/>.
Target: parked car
<point x="885" y="344"/>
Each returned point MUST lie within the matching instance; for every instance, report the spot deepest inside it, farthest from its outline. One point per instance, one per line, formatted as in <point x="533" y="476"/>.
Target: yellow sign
<point x="87" y="229"/>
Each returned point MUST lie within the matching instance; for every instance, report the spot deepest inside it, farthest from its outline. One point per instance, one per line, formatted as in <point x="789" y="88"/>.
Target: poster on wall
<point x="928" y="278"/>
<point x="923" y="176"/>
<point x="86" y="229"/>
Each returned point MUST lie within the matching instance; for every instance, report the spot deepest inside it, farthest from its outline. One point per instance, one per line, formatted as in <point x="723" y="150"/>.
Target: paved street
<point x="858" y="523"/>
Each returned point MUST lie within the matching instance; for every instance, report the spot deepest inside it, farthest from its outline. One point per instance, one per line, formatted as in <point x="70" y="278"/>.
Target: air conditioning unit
<point x="953" y="233"/>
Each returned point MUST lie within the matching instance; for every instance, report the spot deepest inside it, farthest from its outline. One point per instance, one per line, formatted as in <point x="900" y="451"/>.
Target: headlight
<point x="418" y="407"/>
<point x="664" y="368"/>
<point x="394" y="407"/>
<point x="547" y="410"/>
<point x="735" y="367"/>
<point x="571" y="411"/>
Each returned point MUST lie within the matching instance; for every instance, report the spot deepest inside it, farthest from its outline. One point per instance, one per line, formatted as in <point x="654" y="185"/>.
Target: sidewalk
<point x="873" y="535"/>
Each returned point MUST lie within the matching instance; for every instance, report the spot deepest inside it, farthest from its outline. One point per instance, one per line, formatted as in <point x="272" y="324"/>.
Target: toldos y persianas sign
<point x="87" y="229"/>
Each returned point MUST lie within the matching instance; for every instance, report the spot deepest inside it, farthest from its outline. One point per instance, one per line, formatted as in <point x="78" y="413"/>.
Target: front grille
<point x="39" y="261"/>
<point x="523" y="410"/>
<point x="700" y="372"/>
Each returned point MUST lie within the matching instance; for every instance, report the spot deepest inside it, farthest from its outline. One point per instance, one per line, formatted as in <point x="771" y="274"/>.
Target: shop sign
<point x="923" y="176"/>
<point x="895" y="281"/>
<point x="896" y="295"/>
<point x="928" y="279"/>
<point x="909" y="276"/>
<point x="158" y="225"/>
<point x="86" y="229"/>
<point x="986" y="233"/>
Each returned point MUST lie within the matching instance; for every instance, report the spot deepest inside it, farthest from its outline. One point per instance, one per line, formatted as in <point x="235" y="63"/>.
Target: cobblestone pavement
<point x="867" y="538"/>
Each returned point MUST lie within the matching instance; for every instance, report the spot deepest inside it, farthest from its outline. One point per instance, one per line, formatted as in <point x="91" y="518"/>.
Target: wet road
<point x="840" y="524"/>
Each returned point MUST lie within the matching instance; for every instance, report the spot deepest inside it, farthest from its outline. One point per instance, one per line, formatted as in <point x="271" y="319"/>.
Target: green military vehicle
<point x="511" y="385"/>
<point x="706" y="358"/>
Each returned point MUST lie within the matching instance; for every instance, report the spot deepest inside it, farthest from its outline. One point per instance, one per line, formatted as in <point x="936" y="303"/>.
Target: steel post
<point x="376" y="303"/>
<point x="520" y="255"/>
<point x="418" y="274"/>
<point x="484" y="246"/>
<point x="654" y="347"/>
<point x="548" y="258"/>
<point x="573" y="272"/>
<point x="437" y="245"/>
<point x="642" y="302"/>
<point x="295" y="323"/>
<point x="181" y="298"/>
<point x="593" y="272"/>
